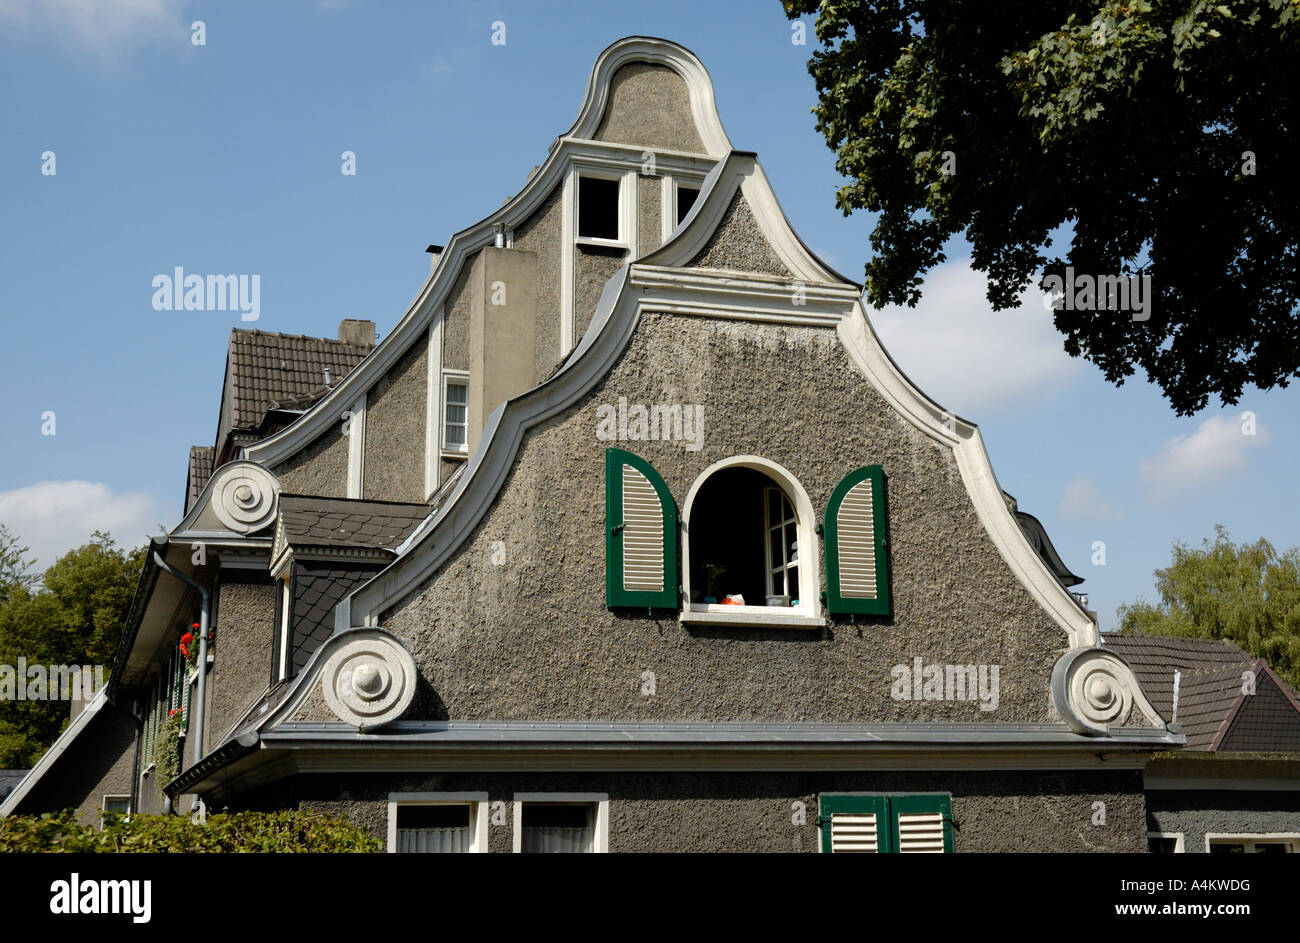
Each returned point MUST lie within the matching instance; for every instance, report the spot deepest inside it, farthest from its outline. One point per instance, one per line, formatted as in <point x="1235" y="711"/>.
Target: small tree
<point x="1247" y="594"/>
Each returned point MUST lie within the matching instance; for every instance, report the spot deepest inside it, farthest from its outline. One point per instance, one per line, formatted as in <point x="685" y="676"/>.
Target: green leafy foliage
<point x="1130" y="122"/>
<point x="167" y="750"/>
<point x="73" y="617"/>
<point x="264" y="832"/>
<point x="1248" y="594"/>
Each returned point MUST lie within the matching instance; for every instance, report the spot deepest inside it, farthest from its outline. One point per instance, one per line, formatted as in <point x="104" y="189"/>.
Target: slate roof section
<point x="317" y="589"/>
<point x="9" y="778"/>
<point x="265" y="370"/>
<point x="1216" y="713"/>
<point x="201" y="457"/>
<point x="310" y="521"/>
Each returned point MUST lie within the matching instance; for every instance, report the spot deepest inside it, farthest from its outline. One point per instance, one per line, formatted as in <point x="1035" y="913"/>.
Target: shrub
<point x="271" y="832"/>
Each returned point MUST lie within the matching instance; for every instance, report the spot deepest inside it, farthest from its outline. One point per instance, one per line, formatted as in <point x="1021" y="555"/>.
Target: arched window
<point x="750" y="551"/>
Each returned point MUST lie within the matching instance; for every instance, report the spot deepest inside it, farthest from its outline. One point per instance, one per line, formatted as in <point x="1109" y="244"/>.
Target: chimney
<point x="502" y="331"/>
<point x="357" y="333"/>
<point x="434" y="252"/>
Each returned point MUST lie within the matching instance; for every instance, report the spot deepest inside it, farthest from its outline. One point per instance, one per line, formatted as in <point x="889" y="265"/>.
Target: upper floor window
<point x="598" y="208"/>
<point x="455" y="427"/>
<point x="747" y="524"/>
<point x="686" y="197"/>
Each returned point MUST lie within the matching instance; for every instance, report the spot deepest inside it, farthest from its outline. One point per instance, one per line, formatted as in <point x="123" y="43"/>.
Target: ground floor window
<point x="119" y="804"/>
<point x="561" y="823"/>
<point x="1165" y="843"/>
<point x="1267" y="844"/>
<point x="437" y="823"/>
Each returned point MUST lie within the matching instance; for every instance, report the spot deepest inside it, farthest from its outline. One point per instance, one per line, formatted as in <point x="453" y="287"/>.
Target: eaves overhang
<point x="295" y="748"/>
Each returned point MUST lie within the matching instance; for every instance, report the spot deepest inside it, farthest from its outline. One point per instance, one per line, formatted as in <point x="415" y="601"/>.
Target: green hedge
<point x="276" y="832"/>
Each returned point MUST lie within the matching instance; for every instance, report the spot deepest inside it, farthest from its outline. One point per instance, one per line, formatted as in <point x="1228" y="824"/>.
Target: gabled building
<point x="629" y="536"/>
<point x="1234" y="787"/>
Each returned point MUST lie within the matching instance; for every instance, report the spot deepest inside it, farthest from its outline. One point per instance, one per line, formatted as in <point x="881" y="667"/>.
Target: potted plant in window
<point x="712" y="574"/>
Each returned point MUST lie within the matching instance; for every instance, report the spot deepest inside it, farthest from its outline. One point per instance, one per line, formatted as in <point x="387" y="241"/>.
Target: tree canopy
<point x="1247" y="594"/>
<point x="1159" y="133"/>
<point x="74" y="617"/>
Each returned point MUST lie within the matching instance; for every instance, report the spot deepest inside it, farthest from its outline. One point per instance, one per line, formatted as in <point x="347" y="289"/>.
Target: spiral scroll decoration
<point x="243" y="496"/>
<point x="1093" y="689"/>
<point x="369" y="679"/>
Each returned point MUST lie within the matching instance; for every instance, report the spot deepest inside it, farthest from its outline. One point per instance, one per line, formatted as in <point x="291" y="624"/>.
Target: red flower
<point x="187" y="639"/>
<point x="185" y="652"/>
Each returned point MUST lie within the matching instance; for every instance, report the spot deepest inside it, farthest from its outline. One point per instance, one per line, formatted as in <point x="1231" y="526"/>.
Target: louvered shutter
<point x="855" y="824"/>
<point x="640" y="534"/>
<point x="857" y="559"/>
<point x="921" y="824"/>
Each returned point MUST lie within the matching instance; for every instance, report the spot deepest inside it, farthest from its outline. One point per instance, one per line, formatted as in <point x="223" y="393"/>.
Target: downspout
<point x="196" y="724"/>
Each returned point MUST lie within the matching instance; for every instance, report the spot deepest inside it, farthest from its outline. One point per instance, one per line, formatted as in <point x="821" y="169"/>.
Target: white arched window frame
<point x="808" y="614"/>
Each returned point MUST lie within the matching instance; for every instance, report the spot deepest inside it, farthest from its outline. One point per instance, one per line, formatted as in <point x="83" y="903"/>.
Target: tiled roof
<point x="317" y="589"/>
<point x="347" y="522"/>
<point x="200" y="471"/>
<point x="1215" y="712"/>
<point x="265" y="370"/>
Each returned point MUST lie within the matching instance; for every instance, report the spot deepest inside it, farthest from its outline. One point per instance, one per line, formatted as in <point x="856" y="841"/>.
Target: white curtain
<point x="433" y="840"/>
<point x="555" y="838"/>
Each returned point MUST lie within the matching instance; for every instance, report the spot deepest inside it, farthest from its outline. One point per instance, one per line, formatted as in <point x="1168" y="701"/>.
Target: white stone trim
<point x="554" y="172"/>
<point x="600" y="827"/>
<point x="1180" y="846"/>
<point x="357" y="448"/>
<point x="477" y="801"/>
<point x="433" y="408"/>
<point x="1250" y="838"/>
<point x="808" y="613"/>
<point x="286" y="619"/>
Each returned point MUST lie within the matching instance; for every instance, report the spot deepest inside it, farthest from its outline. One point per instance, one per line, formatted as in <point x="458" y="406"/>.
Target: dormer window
<point x="686" y="197"/>
<point x="599" y="202"/>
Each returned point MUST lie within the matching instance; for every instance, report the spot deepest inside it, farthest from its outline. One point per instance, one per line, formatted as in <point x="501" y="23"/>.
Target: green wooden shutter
<point x="921" y="824"/>
<point x="855" y="824"/>
<point x="857" y="558"/>
<point x="640" y="535"/>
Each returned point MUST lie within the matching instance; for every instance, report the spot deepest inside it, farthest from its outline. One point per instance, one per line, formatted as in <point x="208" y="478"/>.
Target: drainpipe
<point x="196" y="723"/>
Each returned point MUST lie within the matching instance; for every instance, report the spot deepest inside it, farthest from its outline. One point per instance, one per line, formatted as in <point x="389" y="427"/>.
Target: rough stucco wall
<point x="98" y="763"/>
<point x="455" y="322"/>
<point x="649" y="207"/>
<point x="1195" y="812"/>
<point x="592" y="269"/>
<point x="395" y="430"/>
<point x="241" y="669"/>
<point x="532" y="638"/>
<point x="993" y="811"/>
<point x="738" y="244"/>
<point x="541" y="233"/>
<point x="649" y="105"/>
<point x="321" y="468"/>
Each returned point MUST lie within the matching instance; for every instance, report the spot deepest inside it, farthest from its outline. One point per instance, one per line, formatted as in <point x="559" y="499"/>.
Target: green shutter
<point x="921" y="824"/>
<point x="855" y="824"/>
<point x="640" y="535"/>
<point x="886" y="824"/>
<point x="857" y="557"/>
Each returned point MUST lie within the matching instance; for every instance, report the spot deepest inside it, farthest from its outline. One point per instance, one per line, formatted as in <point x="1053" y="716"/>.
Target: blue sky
<point x="226" y="158"/>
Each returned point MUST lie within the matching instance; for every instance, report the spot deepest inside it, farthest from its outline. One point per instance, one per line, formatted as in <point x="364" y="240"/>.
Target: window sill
<point x="454" y="454"/>
<point x="757" y="616"/>
<point x="598" y="243"/>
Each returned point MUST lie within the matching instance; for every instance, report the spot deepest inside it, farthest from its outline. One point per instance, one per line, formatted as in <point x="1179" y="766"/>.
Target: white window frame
<point x="788" y="561"/>
<point x="103" y="805"/>
<point x="1250" y="839"/>
<point x="600" y="826"/>
<point x="286" y="604"/>
<point x="627" y="191"/>
<point x="808" y="613"/>
<point x="459" y="377"/>
<point x="1179" y="846"/>
<point x="479" y="810"/>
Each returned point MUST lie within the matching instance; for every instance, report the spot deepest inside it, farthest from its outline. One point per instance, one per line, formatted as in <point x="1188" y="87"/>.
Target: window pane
<point x="598" y="208"/>
<point x="1160" y="845"/>
<point x="792" y="583"/>
<point x="557" y="828"/>
<point x="457" y="393"/>
<point x="433" y="829"/>
<point x="773" y="507"/>
<point x="455" y="436"/>
<point x="1221" y="848"/>
<point x="1271" y="848"/>
<point x="456" y="414"/>
<point x="686" y="197"/>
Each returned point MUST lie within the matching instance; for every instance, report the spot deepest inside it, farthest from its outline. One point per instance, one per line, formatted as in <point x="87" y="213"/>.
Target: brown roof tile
<point x="347" y="522"/>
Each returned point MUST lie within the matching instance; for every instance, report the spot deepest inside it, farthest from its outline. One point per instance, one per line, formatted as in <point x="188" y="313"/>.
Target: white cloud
<point x="1214" y="451"/>
<point x="968" y="357"/>
<point x="1084" y="501"/>
<point x="53" y="517"/>
<point x="105" y="27"/>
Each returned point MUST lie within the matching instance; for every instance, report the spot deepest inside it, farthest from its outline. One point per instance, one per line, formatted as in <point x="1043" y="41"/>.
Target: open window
<point x="686" y="197"/>
<point x="599" y="208"/>
<point x="749" y="532"/>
